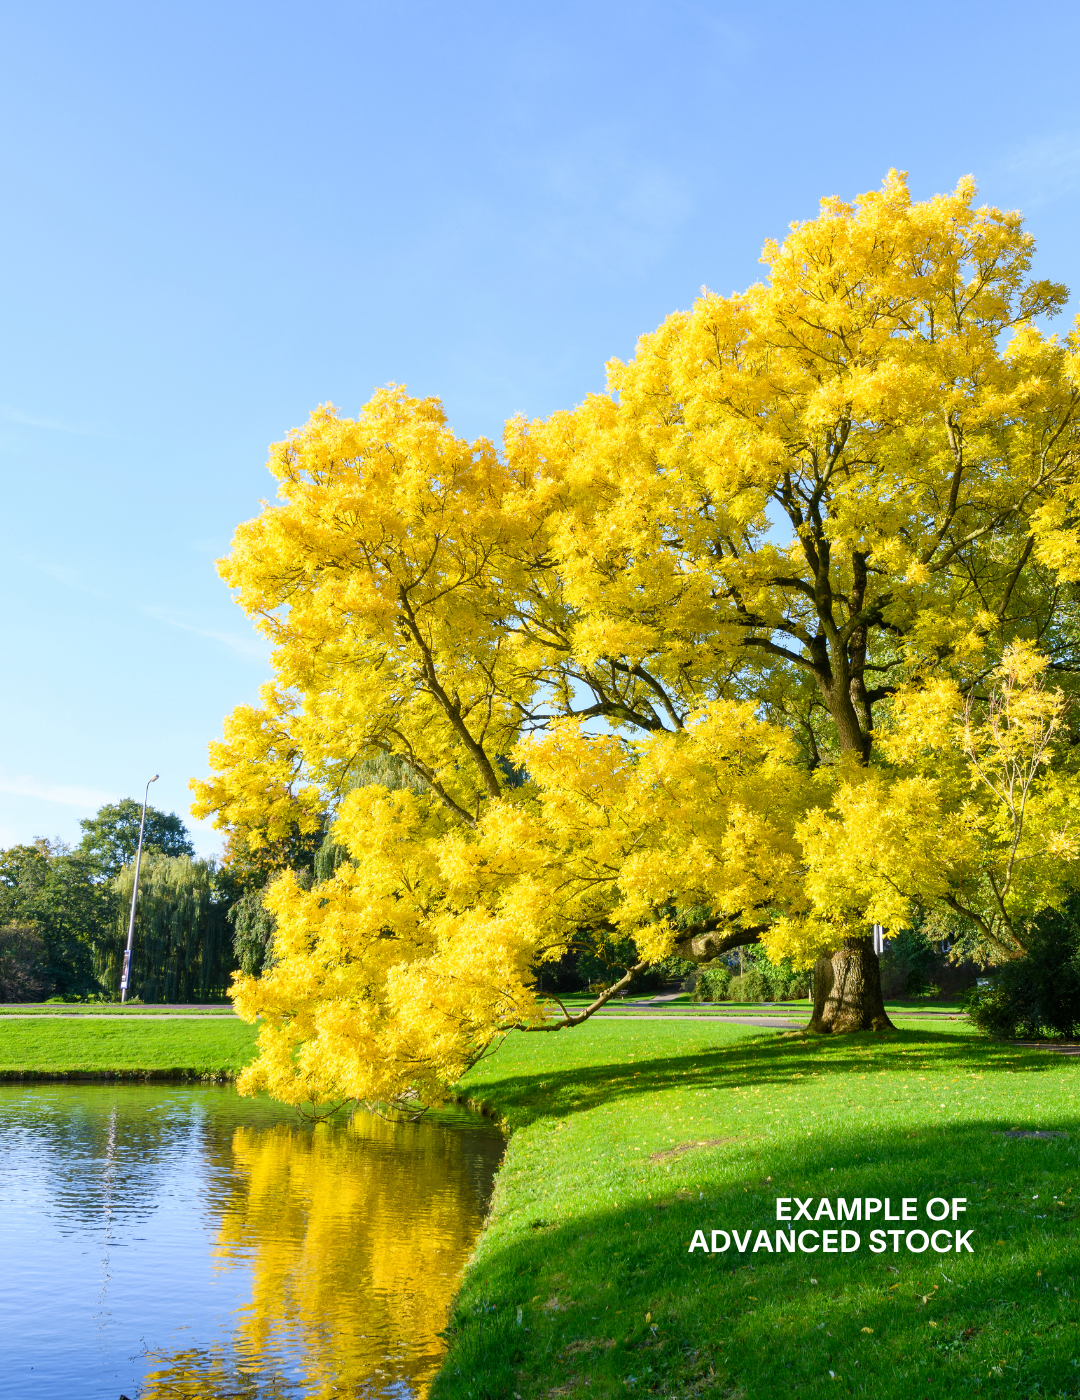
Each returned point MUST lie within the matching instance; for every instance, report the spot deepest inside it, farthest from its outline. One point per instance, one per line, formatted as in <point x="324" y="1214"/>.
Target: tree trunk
<point x="847" y="990"/>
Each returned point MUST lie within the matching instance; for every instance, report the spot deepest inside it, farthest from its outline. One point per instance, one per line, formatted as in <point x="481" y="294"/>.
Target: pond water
<point x="166" y="1241"/>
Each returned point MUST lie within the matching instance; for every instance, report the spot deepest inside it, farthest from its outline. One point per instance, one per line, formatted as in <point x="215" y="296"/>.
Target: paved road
<point x="679" y="1011"/>
<point x="769" y="1022"/>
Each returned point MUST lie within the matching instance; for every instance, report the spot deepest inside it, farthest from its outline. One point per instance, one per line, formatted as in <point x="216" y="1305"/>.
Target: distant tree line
<point x="64" y="912"/>
<point x="64" y="909"/>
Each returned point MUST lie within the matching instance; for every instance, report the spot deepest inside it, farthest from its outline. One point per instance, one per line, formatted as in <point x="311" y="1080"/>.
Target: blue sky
<point x="217" y="216"/>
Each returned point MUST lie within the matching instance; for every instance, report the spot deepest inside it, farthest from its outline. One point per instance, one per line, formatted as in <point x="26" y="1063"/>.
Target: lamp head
<point x="153" y="779"/>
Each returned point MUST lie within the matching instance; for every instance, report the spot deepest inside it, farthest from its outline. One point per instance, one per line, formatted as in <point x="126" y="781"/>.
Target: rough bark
<point x="847" y="990"/>
<point x="702" y="946"/>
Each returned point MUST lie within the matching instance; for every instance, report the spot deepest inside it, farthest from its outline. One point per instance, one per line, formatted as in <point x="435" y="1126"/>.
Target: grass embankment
<point x="627" y="1137"/>
<point x="136" y="1047"/>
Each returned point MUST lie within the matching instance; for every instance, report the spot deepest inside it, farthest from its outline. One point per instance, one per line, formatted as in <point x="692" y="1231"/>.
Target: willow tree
<point x="183" y="944"/>
<point x="680" y="612"/>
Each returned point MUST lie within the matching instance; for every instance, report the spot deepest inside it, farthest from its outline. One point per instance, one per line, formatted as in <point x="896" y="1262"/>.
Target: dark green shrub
<point x="1038" y="994"/>
<point x="712" y="984"/>
<point x="23" y="964"/>
<point x="752" y="985"/>
<point x="598" y="961"/>
<point x="772" y="981"/>
<point x="663" y="973"/>
<point x="786" y="984"/>
<point x="992" y="1009"/>
<point x="908" y="964"/>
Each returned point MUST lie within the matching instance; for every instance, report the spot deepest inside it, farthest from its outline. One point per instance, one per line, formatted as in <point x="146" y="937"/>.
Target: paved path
<point x="681" y="1012"/>
<point x="769" y="1022"/>
<point x="780" y="1019"/>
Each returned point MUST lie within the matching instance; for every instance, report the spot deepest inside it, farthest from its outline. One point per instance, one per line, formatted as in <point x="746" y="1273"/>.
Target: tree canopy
<point x="183" y="948"/>
<point x="111" y="835"/>
<point x="51" y="890"/>
<point x="772" y="640"/>
<point x="64" y="917"/>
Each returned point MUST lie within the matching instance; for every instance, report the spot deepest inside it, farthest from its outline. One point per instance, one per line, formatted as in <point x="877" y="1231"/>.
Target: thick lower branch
<point x="700" y="943"/>
<point x="602" y="1000"/>
<point x="705" y="944"/>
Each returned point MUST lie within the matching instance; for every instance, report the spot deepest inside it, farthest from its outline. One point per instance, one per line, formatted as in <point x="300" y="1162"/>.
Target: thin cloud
<point x="251" y="647"/>
<point x="66" y="794"/>
<point x="1044" y="169"/>
<point x="52" y="425"/>
<point x="606" y="207"/>
<point x="65" y="574"/>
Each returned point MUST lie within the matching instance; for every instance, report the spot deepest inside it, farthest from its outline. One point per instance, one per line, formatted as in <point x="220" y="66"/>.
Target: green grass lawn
<point x="214" y="1045"/>
<point x="102" y="1008"/>
<point x="629" y="1136"/>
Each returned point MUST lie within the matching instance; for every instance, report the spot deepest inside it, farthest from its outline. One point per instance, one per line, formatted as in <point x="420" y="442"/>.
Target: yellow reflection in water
<point x="355" y="1236"/>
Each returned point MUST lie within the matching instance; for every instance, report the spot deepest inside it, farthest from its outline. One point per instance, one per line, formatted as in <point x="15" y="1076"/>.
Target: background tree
<point x="54" y="891"/>
<point x="246" y="870"/>
<point x="23" y="960"/>
<point x="253" y="932"/>
<point x="685" y="612"/>
<point x="183" y="945"/>
<point x="1039" y="993"/>
<point x="112" y="834"/>
<point x="67" y="916"/>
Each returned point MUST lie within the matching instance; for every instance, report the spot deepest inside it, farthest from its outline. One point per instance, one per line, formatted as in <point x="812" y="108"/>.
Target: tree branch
<point x="602" y="1000"/>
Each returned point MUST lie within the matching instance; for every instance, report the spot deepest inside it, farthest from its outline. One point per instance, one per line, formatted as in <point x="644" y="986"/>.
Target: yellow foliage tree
<point x="638" y="660"/>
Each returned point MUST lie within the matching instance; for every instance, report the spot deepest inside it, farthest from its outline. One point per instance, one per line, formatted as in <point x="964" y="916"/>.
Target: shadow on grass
<point x="611" y="1302"/>
<point x="756" y="1061"/>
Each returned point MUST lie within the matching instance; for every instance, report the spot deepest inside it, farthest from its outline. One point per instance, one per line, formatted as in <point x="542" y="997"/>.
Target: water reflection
<point x="173" y="1242"/>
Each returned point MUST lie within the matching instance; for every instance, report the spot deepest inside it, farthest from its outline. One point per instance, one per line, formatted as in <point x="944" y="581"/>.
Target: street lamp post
<point x="134" y="898"/>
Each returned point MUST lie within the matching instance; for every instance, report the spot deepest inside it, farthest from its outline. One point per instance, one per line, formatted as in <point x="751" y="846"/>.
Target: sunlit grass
<point x="22" y="1009"/>
<point x="46" y="1046"/>
<point x="602" y="1191"/>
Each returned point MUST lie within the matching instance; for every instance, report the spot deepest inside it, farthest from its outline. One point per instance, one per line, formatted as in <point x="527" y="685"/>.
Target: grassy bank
<point x="136" y="1046"/>
<point x="627" y="1137"/>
